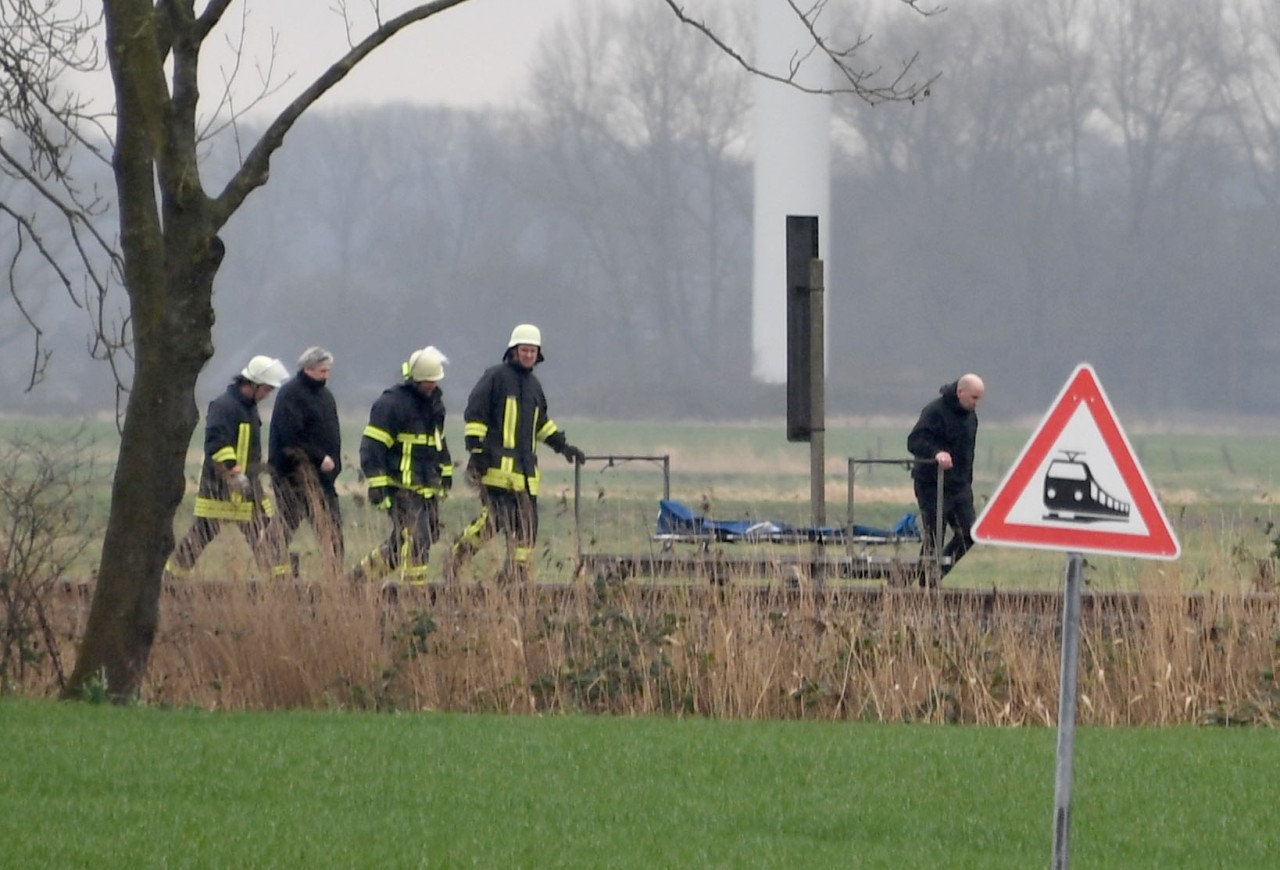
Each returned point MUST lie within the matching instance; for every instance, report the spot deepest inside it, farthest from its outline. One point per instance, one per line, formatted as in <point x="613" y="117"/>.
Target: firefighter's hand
<point x="573" y="454"/>
<point x="239" y="483"/>
<point x="379" y="498"/>
<point x="476" y="467"/>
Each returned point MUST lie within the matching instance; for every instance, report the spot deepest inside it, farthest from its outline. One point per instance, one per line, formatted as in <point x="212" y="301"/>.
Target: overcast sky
<point x="474" y="54"/>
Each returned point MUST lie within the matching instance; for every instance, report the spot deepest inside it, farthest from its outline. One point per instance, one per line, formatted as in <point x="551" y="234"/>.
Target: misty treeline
<point x="1089" y="180"/>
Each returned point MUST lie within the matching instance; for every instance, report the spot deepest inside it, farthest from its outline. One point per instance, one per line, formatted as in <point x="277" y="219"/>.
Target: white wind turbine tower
<point x="792" y="173"/>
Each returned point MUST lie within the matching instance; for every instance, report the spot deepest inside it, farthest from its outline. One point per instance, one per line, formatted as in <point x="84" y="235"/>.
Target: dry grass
<point x="1197" y="644"/>
<point x="734" y="652"/>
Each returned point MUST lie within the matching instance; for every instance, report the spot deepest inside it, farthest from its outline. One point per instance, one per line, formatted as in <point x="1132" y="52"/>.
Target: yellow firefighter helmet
<point x="425" y="365"/>
<point x="525" y="333"/>
<point x="265" y="371"/>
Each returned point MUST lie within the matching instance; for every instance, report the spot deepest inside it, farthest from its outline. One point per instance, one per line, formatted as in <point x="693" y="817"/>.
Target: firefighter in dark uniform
<point x="230" y="489"/>
<point x="505" y="418"/>
<point x="305" y="453"/>
<point x="407" y="468"/>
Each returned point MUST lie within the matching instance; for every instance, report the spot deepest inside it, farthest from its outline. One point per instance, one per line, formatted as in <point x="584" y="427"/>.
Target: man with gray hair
<point x="305" y="454"/>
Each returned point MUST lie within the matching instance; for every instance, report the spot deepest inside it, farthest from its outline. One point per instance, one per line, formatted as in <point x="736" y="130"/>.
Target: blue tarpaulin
<point x="677" y="520"/>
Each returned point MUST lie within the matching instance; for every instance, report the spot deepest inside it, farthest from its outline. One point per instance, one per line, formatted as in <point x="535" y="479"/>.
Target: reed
<point x="741" y="651"/>
<point x="1194" y="641"/>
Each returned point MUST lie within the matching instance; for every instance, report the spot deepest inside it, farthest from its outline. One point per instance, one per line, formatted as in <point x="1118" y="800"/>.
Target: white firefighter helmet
<point x="526" y="333"/>
<point x="265" y="371"/>
<point x="425" y="365"/>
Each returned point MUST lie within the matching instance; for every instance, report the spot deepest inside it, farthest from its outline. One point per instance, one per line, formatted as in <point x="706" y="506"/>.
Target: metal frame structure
<point x="818" y="564"/>
<point x="907" y="464"/>
<point x="611" y="461"/>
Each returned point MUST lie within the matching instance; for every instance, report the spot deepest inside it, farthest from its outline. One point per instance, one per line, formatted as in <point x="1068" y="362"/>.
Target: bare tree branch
<point x="858" y="81"/>
<point x="254" y="171"/>
<point x="39" y="43"/>
<point x="226" y="112"/>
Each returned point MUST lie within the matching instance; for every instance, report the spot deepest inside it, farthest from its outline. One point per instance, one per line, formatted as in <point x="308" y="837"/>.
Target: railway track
<point x="983" y="604"/>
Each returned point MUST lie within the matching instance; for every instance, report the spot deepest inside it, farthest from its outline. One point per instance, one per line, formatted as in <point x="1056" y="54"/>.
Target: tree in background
<point x="1081" y="186"/>
<point x="170" y="252"/>
<point x="170" y="247"/>
<point x="634" y="127"/>
<point x="47" y="135"/>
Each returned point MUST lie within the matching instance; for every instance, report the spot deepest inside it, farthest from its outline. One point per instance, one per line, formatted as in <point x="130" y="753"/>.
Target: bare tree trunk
<point x="171" y="252"/>
<point x="145" y="495"/>
<point x="150" y="475"/>
<point x="169" y="266"/>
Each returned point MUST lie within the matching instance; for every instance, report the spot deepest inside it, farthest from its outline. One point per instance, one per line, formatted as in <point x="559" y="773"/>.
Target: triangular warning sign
<point x="1077" y="485"/>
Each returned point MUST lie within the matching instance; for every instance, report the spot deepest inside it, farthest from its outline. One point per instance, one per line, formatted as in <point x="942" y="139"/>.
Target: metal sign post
<point x="817" y="418"/>
<point x="806" y="367"/>
<point x="1067" y="693"/>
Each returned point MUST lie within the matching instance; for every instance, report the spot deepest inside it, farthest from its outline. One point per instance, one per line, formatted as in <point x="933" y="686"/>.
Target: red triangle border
<point x="994" y="527"/>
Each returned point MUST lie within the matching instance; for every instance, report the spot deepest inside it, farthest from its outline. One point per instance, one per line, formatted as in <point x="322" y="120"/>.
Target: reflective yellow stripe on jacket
<point x="408" y="441"/>
<point x="237" y="508"/>
<point x="504" y="474"/>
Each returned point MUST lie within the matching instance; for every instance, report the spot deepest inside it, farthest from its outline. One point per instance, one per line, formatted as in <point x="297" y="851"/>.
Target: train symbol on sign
<point x="1071" y="493"/>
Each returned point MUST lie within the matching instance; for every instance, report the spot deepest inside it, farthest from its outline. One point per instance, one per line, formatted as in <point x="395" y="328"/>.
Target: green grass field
<point x="108" y="787"/>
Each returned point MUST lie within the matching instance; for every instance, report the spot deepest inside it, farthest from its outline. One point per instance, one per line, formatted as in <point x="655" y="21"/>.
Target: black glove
<point x="379" y="498"/>
<point x="477" y="465"/>
<point x="573" y="454"/>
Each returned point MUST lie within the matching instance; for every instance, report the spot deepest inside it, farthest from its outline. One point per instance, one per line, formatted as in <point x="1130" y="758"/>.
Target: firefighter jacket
<point x="231" y="438"/>
<point x="404" y="445"/>
<point x="506" y="416"/>
<point x="305" y="429"/>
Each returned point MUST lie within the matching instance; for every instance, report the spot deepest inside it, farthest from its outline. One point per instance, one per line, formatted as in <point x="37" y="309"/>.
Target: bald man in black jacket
<point x="944" y="437"/>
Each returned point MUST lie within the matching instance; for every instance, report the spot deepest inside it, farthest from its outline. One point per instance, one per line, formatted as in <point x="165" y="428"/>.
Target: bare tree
<point x="1246" y="71"/>
<point x="45" y="526"/>
<point x="1154" y="85"/>
<point x="46" y="137"/>
<point x="1248" y="75"/>
<point x="632" y="111"/>
<point x="869" y="83"/>
<point x="169" y="247"/>
<point x="170" y="252"/>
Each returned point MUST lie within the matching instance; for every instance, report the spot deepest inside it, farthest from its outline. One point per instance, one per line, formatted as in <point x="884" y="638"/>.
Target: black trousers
<point x="414" y="525"/>
<point x="204" y="530"/>
<point x="958" y="515"/>
<point x="515" y="514"/>
<point x="305" y="497"/>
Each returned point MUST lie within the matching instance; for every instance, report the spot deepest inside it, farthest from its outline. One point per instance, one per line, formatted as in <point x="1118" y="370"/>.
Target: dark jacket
<point x="404" y="444"/>
<point x="231" y="438"/>
<point x="945" y="425"/>
<point x="305" y="429"/>
<point x="506" y="417"/>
